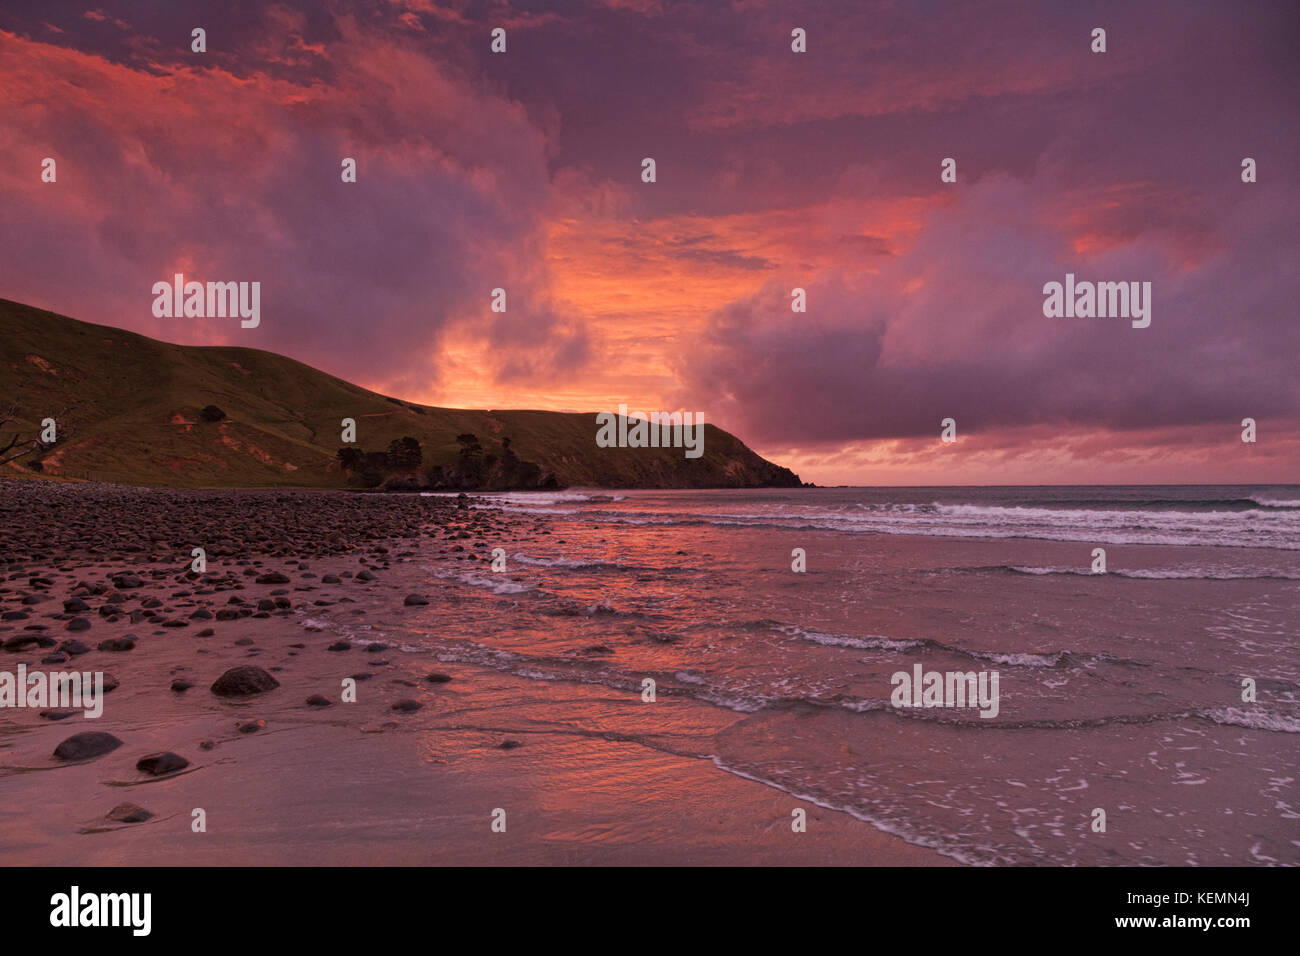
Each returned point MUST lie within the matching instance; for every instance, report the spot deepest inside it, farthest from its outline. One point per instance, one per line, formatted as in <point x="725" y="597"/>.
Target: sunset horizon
<point x="690" y="437"/>
<point x="923" y="296"/>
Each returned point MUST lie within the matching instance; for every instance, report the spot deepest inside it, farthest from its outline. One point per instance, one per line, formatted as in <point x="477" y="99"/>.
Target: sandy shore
<point x="284" y="781"/>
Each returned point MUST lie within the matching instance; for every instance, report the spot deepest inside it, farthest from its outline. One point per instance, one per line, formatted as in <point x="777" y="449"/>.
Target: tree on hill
<point x="469" y="446"/>
<point x="404" y="454"/>
<point x="21" y="445"/>
<point x="350" y="458"/>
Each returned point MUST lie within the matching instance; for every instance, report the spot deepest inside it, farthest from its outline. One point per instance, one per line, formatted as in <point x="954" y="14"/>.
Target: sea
<point x="1147" y="713"/>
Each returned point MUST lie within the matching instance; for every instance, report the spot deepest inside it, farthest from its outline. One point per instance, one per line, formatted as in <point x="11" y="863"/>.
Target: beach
<point x="646" y="680"/>
<point x="338" y="783"/>
<point x="650" y="435"/>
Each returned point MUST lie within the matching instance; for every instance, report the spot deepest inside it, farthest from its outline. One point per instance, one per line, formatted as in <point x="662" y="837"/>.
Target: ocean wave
<point x="708" y="688"/>
<point x="573" y="564"/>
<point x="970" y="857"/>
<point x="1264" y="528"/>
<point x="599" y="672"/>
<point x="1284" y="504"/>
<point x="552" y="497"/>
<point x="870" y="643"/>
<point x="497" y="584"/>
<point x="1154" y="574"/>
<point x="543" y="601"/>
<point x="1256" y="718"/>
<point x="1146" y="504"/>
<point x="1155" y="513"/>
<point x="1047" y="659"/>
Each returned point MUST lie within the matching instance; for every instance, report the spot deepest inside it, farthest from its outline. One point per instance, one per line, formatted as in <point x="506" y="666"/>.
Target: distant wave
<point x="1256" y="719"/>
<point x="1156" y="574"/>
<point x="1287" y="505"/>
<point x="1229" y="523"/>
<point x="1148" y="504"/>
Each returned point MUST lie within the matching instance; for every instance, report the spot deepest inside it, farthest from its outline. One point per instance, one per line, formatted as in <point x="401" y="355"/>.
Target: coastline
<point x="347" y="783"/>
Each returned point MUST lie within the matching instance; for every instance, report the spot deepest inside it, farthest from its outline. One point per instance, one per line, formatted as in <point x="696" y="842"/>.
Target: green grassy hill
<point x="128" y="411"/>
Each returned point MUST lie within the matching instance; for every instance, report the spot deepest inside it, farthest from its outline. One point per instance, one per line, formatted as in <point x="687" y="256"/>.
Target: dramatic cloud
<point x="954" y="328"/>
<point x="776" y="170"/>
<point x="195" y="169"/>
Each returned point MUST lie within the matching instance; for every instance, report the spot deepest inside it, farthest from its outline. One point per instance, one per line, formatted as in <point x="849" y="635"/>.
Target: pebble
<point x="244" y="681"/>
<point x="128" y="813"/>
<point x="92" y="743"/>
<point x="158" y="764"/>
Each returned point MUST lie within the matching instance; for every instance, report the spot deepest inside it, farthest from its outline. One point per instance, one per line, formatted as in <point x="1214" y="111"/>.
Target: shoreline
<point x="344" y="783"/>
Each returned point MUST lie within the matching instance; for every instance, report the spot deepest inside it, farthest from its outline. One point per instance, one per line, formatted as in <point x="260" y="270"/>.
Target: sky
<point x="775" y="170"/>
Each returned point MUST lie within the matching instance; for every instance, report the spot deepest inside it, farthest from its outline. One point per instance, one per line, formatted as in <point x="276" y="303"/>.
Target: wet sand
<point x="342" y="783"/>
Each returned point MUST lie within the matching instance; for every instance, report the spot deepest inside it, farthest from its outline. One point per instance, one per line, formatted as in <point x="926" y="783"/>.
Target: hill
<point x="130" y="409"/>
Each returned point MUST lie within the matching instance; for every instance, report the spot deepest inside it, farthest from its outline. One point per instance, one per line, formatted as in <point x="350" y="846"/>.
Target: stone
<point x="129" y="813"/>
<point x="243" y="682"/>
<point x="158" y="764"/>
<point x="84" y="746"/>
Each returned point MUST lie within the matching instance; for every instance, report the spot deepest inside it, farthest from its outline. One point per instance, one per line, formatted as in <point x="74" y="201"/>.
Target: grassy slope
<point x="138" y="418"/>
